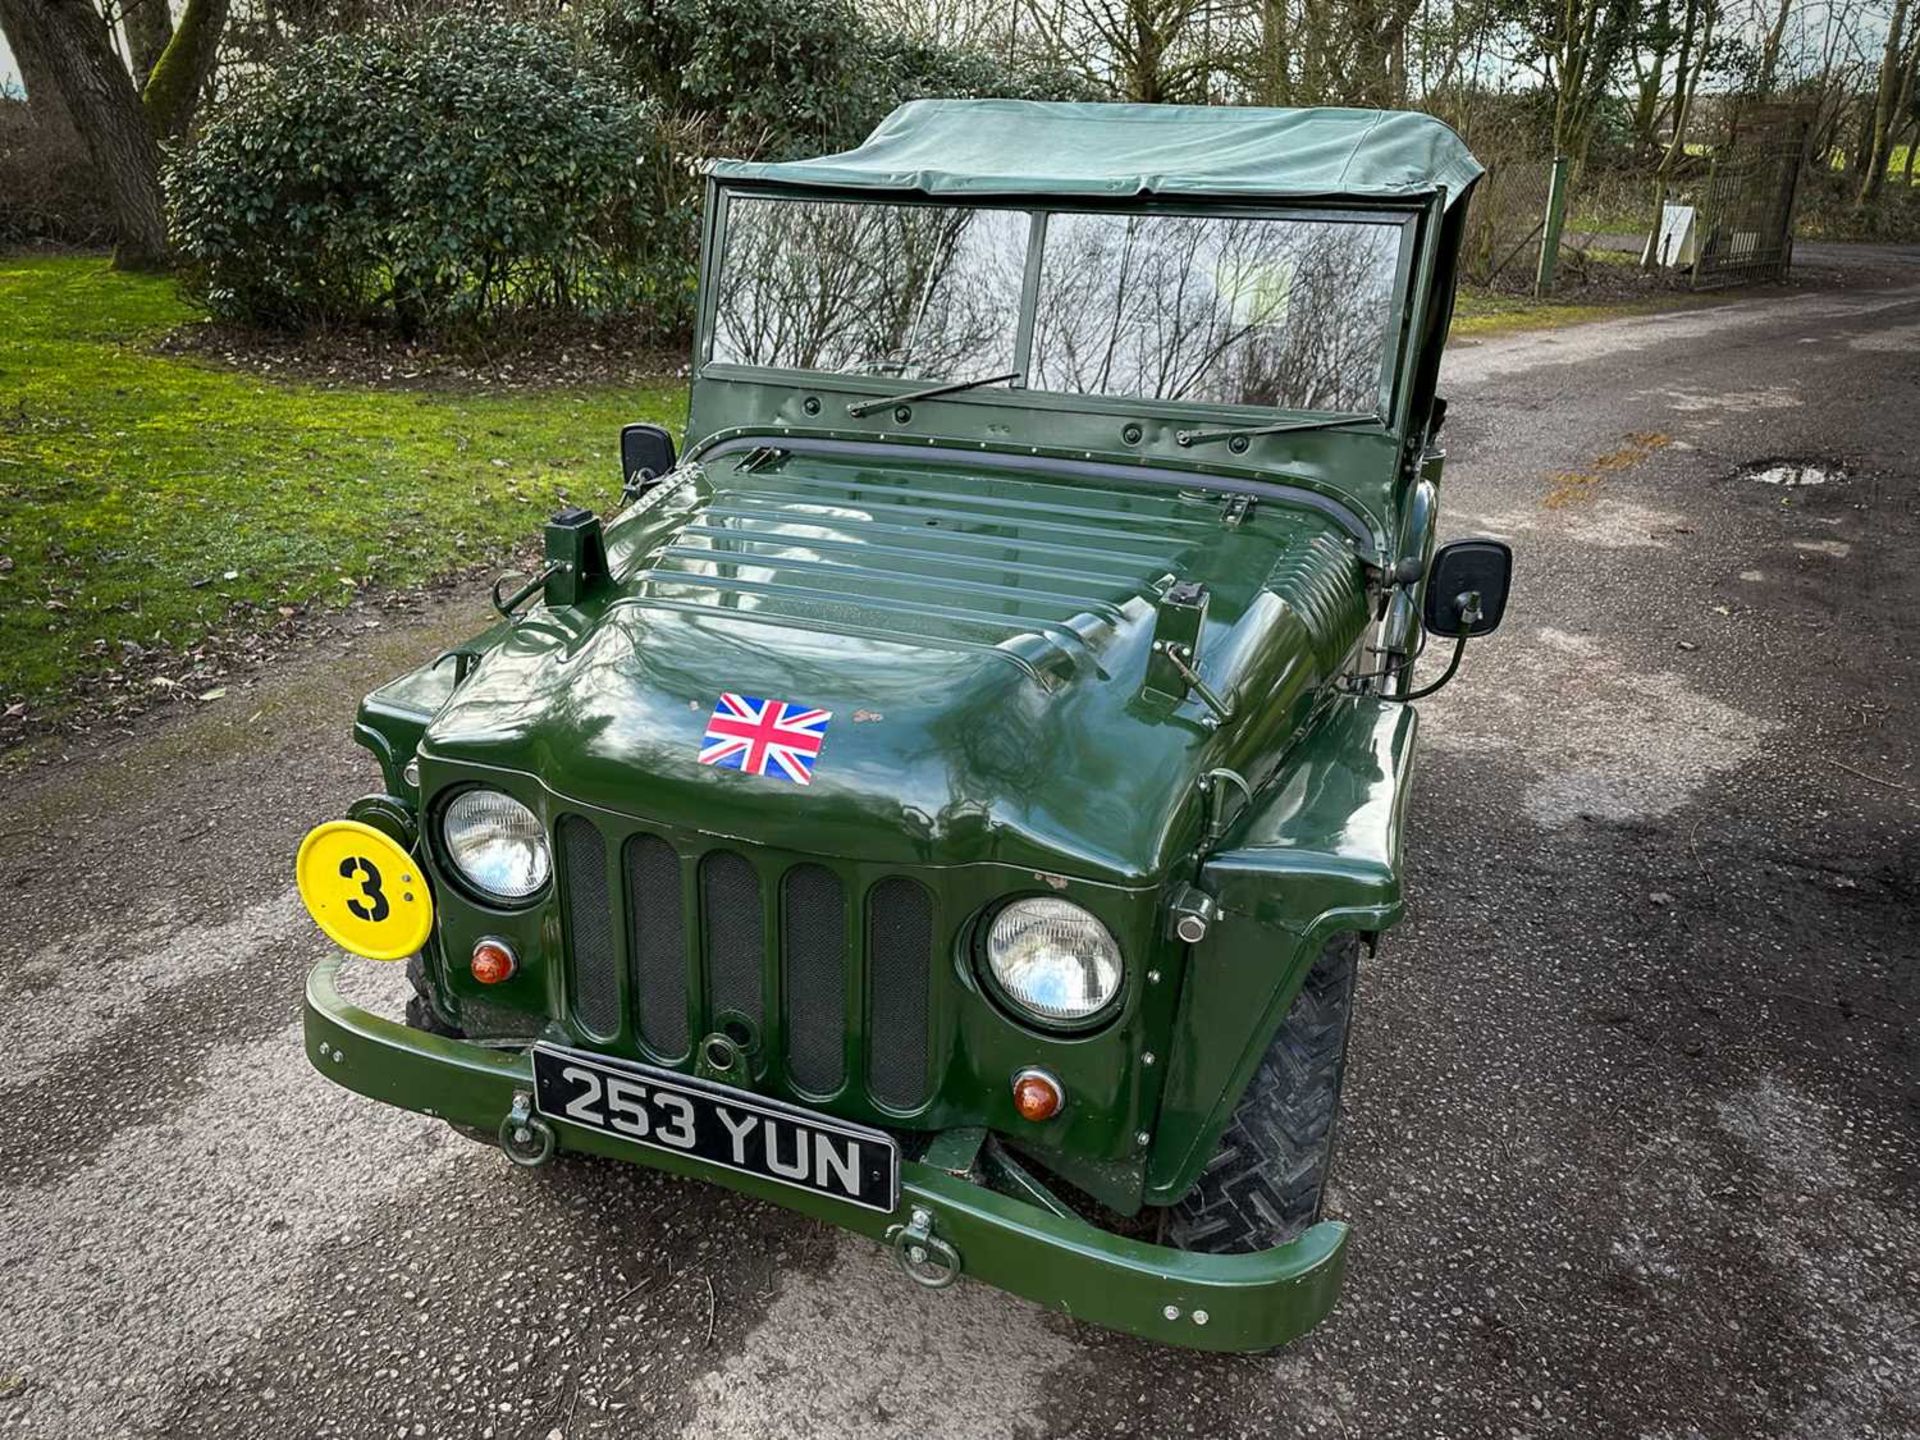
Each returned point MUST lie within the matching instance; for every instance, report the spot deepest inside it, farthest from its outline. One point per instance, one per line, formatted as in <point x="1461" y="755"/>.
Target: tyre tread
<point x="1266" y="1183"/>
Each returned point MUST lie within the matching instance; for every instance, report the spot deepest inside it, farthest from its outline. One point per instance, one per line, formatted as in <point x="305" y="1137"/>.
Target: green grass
<point x="149" y="499"/>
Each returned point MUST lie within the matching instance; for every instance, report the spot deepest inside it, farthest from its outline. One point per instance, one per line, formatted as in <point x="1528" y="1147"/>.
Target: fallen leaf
<point x="213" y="694"/>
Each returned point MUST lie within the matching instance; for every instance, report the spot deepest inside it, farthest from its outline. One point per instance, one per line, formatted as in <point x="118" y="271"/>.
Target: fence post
<point x="1550" y="237"/>
<point x="1710" y="207"/>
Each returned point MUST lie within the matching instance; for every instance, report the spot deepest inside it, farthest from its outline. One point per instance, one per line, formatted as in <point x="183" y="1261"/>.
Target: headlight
<point x="1054" y="959"/>
<point x="497" y="844"/>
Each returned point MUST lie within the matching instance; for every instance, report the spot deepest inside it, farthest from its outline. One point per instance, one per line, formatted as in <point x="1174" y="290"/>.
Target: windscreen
<point x="918" y="291"/>
<point x="1284" y="312"/>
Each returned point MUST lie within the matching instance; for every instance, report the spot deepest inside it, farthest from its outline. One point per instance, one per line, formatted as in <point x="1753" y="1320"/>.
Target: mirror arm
<point x="1459" y="649"/>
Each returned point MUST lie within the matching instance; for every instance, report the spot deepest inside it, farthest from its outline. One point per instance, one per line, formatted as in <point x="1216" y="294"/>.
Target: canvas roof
<point x="1028" y="147"/>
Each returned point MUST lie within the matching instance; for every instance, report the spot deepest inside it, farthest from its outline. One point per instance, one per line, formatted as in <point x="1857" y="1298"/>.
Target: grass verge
<point x="146" y="500"/>
<point x="1479" y="314"/>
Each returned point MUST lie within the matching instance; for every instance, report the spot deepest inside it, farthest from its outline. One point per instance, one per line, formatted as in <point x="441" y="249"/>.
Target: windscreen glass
<point x="1286" y="312"/>
<point x="1291" y="314"/>
<point x="922" y="292"/>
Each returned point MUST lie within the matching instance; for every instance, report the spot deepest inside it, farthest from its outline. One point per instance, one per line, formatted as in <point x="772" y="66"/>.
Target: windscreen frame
<point x="1402" y="215"/>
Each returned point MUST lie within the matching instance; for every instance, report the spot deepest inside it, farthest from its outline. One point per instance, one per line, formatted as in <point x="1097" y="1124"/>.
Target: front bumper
<point x="1209" y="1302"/>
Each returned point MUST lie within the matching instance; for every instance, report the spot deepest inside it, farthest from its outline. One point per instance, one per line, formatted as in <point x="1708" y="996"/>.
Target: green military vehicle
<point x="949" y="798"/>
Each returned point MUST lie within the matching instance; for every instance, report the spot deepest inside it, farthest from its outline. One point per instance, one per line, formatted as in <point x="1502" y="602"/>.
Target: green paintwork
<point x="1251" y="1302"/>
<point x="1318" y="853"/>
<point x="973" y="584"/>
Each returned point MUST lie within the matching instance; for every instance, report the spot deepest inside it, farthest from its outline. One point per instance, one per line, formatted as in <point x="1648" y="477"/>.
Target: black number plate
<point x="664" y="1110"/>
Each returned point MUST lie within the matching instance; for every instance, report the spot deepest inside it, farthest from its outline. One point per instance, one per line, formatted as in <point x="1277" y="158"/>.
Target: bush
<point x="444" y="179"/>
<point x="776" y="79"/>
<point x="48" y="194"/>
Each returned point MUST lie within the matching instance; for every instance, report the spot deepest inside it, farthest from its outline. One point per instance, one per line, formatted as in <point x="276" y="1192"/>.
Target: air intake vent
<point x="899" y="965"/>
<point x="736" y="945"/>
<point x="657" y="945"/>
<point x="592" y="977"/>
<point x="814" y="934"/>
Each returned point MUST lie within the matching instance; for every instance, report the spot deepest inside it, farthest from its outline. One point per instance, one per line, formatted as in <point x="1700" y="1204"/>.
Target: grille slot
<point x="736" y="939"/>
<point x="813" y="932"/>
<point x="899" y="964"/>
<point x="592" y="968"/>
<point x="657" y="944"/>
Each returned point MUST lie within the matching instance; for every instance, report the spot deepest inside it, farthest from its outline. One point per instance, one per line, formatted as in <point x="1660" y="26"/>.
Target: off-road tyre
<point x="420" y="1013"/>
<point x="1267" y="1181"/>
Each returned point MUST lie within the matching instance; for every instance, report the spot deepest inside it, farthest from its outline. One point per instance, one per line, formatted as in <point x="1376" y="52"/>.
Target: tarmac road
<point x="1631" y="1148"/>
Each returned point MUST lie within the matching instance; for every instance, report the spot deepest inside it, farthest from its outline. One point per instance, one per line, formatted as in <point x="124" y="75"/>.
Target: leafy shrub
<point x="442" y="178"/>
<point x="774" y="79"/>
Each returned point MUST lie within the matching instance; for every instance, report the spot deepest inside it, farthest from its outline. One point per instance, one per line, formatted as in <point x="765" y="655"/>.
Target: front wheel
<point x="1266" y="1184"/>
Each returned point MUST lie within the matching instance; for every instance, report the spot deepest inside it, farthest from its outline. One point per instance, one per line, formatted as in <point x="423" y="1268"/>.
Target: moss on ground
<point x="146" y="499"/>
<point x="1479" y="314"/>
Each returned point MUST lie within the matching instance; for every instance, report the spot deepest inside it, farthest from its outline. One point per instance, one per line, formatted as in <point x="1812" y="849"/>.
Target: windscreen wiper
<point x="1319" y="422"/>
<point x="954" y="387"/>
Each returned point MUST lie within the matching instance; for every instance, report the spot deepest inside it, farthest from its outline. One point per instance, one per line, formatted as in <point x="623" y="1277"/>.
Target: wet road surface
<point x="1631" y="1145"/>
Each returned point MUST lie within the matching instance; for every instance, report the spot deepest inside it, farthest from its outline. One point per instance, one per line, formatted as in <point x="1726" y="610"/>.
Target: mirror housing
<point x="1467" y="588"/>
<point x="646" y="453"/>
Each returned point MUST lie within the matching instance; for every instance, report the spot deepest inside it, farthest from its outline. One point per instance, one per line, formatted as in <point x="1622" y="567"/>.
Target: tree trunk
<point x="1686" y="88"/>
<point x="1770" y="51"/>
<point x="100" y="97"/>
<point x="1878" y="140"/>
<point x="173" y="90"/>
<point x="20" y="21"/>
<point x="149" y="26"/>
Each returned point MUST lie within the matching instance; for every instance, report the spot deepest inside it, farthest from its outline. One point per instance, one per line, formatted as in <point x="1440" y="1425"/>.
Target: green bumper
<point x="1208" y="1302"/>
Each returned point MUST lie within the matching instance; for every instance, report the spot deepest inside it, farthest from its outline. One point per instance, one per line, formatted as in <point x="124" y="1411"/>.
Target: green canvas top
<point x="1029" y="147"/>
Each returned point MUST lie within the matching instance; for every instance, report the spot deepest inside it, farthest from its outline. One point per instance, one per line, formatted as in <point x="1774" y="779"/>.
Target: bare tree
<point x="106" y="111"/>
<point x="45" y="100"/>
<point x="148" y="25"/>
<point x="1893" y="89"/>
<point x="120" y="122"/>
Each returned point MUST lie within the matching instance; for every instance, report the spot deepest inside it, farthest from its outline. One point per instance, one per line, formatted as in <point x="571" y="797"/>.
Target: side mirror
<point x="1467" y="588"/>
<point x="646" y="453"/>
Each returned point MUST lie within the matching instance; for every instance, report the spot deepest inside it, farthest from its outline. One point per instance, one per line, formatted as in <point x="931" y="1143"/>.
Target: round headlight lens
<point x="496" y="844"/>
<point x="1054" y="959"/>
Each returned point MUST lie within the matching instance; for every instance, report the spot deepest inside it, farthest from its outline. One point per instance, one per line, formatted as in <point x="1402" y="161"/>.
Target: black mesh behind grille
<point x="736" y="945"/>
<point x="814" y="937"/>
<point x="899" y="964"/>
<point x="594" y="985"/>
<point x="657" y="944"/>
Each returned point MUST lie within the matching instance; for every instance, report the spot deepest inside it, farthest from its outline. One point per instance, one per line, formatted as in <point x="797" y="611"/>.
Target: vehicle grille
<point x="657" y="945"/>
<point x="591" y="983"/>
<point x="665" y="945"/>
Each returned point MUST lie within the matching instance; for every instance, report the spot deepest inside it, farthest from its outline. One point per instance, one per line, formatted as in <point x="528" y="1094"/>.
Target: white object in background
<point x="1676" y="246"/>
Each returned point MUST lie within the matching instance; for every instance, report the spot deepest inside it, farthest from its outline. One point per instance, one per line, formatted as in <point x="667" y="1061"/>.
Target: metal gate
<point x="1745" y="211"/>
<point x="1515" y="222"/>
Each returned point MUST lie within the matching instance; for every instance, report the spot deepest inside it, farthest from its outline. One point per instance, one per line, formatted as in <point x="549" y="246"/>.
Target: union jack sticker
<point x="765" y="737"/>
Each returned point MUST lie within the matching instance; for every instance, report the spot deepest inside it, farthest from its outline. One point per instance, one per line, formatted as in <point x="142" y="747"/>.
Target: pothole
<point x="1792" y="474"/>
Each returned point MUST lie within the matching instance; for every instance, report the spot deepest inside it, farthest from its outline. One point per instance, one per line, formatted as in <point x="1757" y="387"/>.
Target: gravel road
<point x="1632" y="1146"/>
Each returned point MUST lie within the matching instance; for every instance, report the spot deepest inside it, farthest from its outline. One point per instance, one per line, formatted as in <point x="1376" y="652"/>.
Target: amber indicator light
<point x="1037" y="1095"/>
<point x="492" y="962"/>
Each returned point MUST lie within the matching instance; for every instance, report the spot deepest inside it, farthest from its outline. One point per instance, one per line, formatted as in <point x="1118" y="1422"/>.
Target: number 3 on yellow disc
<point x="366" y="892"/>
